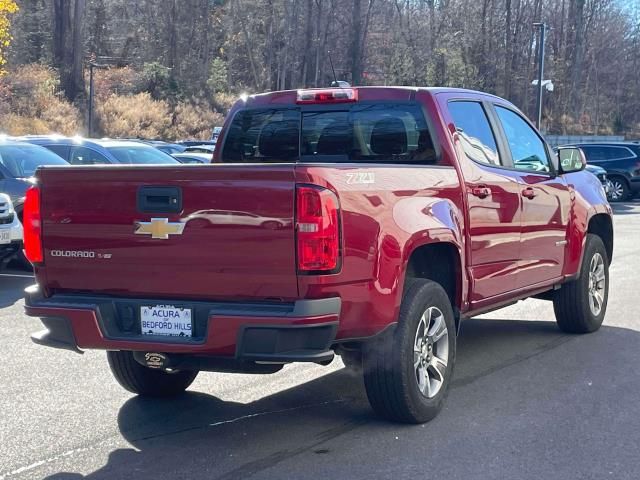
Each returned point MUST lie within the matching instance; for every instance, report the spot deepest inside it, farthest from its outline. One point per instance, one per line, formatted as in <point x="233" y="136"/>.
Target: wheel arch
<point x="601" y="225"/>
<point x="440" y="262"/>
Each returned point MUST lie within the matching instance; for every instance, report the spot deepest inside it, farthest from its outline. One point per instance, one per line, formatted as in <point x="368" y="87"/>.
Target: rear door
<point x="545" y="200"/>
<point x="494" y="202"/>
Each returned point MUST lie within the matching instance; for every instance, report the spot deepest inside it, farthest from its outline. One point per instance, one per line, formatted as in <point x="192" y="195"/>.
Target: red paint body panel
<point x="508" y="245"/>
<point x="232" y="214"/>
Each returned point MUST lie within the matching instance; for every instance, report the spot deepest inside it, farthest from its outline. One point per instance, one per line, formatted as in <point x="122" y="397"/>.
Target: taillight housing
<point x="32" y="225"/>
<point x="331" y="95"/>
<point x="317" y="230"/>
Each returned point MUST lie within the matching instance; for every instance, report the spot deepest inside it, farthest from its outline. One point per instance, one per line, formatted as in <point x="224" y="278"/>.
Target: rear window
<point x="22" y="160"/>
<point x="368" y="133"/>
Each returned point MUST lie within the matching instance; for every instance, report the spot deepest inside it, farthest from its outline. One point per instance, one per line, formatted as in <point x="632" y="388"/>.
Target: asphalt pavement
<point x="528" y="402"/>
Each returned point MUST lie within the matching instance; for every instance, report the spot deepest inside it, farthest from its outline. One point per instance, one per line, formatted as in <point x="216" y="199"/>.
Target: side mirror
<point x="571" y="159"/>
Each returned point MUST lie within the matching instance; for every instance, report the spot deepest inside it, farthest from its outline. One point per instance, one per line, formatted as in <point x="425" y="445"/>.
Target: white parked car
<point x="10" y="230"/>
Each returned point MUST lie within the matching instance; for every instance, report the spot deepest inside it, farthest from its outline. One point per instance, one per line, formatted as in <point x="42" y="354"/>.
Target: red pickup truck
<point x="359" y="221"/>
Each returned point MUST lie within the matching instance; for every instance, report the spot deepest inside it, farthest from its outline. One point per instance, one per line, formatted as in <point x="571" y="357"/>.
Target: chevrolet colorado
<point x="365" y="222"/>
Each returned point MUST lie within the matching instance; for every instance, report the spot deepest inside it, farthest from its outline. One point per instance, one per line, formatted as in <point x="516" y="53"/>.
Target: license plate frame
<point x="166" y="321"/>
<point x="5" y="236"/>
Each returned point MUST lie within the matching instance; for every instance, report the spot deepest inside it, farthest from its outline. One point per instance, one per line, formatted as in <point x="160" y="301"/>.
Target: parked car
<point x="192" y="143"/>
<point x="601" y="173"/>
<point x="18" y="163"/>
<point x="377" y="225"/>
<point x="166" y="147"/>
<point x="193" y="157"/>
<point x="215" y="134"/>
<point x="83" y="151"/>
<point x="621" y="160"/>
<point x="10" y="231"/>
<point x="200" y="149"/>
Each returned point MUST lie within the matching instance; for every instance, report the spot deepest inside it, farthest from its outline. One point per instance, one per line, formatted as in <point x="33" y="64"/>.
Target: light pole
<point x="92" y="65"/>
<point x="542" y="28"/>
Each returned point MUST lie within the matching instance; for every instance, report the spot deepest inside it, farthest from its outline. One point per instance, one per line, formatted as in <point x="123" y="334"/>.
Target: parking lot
<point x="528" y="402"/>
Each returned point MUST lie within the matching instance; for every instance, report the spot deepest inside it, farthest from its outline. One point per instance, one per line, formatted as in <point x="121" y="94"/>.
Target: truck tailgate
<point x="237" y="240"/>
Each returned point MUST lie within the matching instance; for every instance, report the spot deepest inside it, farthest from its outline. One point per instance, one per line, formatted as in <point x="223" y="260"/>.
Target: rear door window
<point x="367" y="133"/>
<point x="61" y="150"/>
<point x="87" y="156"/>
<point x="474" y="131"/>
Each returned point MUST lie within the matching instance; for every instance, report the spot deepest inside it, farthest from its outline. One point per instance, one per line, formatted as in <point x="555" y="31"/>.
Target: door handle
<point x="529" y="193"/>
<point x="481" y="191"/>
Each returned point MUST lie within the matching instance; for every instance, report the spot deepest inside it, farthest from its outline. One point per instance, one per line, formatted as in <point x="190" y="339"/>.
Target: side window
<point x="86" y="156"/>
<point x="527" y="149"/>
<point x="61" y="150"/>
<point x="594" y="154"/>
<point x="617" y="153"/>
<point x="475" y="132"/>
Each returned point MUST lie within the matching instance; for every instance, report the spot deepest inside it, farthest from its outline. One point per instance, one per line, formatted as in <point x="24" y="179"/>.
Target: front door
<point x="545" y="201"/>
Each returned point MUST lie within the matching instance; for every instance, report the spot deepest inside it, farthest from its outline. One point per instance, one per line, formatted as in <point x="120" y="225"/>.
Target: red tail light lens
<point x="334" y="95"/>
<point x="318" y="229"/>
<point x="32" y="226"/>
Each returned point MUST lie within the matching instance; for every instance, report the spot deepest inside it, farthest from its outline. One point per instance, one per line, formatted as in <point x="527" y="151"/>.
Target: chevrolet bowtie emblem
<point x="159" y="228"/>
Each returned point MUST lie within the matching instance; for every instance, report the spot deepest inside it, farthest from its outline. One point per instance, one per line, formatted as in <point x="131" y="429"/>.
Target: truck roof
<point x="393" y="88"/>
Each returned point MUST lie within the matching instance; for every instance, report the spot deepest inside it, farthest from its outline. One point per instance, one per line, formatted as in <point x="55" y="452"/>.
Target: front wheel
<point x="407" y="374"/>
<point x="580" y="305"/>
<point x="142" y="380"/>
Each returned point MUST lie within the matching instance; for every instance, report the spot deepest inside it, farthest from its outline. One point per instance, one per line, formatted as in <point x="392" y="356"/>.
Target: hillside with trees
<point x="172" y="68"/>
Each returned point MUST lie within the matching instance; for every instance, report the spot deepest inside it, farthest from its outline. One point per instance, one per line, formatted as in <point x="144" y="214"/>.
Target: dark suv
<point x="621" y="160"/>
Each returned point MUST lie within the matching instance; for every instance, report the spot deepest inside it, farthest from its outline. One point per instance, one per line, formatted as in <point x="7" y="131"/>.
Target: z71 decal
<point x="361" y="178"/>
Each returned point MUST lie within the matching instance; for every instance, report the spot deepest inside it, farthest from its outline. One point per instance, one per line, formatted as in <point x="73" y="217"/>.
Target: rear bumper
<point x="302" y="331"/>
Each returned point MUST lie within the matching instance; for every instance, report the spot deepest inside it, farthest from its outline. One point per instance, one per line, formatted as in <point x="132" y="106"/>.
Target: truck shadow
<point x="201" y="436"/>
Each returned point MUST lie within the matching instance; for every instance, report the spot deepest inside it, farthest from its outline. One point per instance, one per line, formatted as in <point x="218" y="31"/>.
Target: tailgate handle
<point x="159" y="200"/>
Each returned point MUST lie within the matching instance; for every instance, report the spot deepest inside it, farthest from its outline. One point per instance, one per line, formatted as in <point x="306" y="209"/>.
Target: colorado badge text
<point x="159" y="228"/>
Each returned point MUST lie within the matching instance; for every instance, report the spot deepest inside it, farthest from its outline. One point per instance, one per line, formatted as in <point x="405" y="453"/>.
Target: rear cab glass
<point x="356" y="133"/>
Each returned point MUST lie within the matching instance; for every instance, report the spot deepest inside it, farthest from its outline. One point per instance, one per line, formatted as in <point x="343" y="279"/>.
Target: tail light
<point x="32" y="224"/>
<point x="333" y="95"/>
<point x="318" y="229"/>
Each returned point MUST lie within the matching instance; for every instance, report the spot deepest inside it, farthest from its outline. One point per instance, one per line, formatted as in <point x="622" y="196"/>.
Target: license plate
<point x="166" y="320"/>
<point x="5" y="236"/>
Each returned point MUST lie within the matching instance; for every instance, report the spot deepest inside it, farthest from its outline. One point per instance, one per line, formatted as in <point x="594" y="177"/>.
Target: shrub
<point x="31" y="103"/>
<point x="134" y="116"/>
<point x="194" y="120"/>
<point x="119" y="81"/>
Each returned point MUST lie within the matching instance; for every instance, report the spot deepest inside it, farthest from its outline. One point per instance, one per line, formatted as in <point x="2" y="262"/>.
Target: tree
<point x="7" y="8"/>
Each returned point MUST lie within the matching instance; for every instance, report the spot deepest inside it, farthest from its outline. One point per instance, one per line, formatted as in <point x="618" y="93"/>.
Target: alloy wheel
<point x="597" y="285"/>
<point x="431" y="352"/>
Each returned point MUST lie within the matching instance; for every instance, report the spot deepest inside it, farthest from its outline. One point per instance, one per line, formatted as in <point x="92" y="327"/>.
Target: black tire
<point x="141" y="380"/>
<point x="618" y="184"/>
<point x="391" y="379"/>
<point x="571" y="303"/>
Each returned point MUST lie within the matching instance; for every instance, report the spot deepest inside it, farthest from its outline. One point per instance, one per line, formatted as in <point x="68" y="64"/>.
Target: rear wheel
<point x="142" y="380"/>
<point x="407" y="374"/>
<point x="618" y="189"/>
<point x="580" y="305"/>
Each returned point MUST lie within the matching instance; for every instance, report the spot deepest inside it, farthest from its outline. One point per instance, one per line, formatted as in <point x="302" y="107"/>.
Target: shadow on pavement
<point x="12" y="287"/>
<point x="201" y="436"/>
<point x="625" y="208"/>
